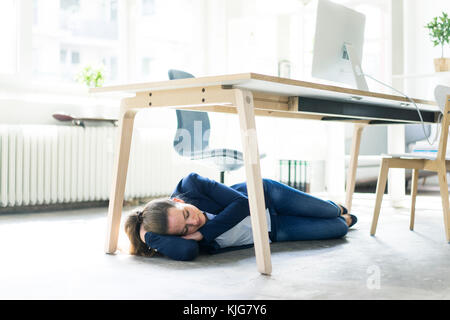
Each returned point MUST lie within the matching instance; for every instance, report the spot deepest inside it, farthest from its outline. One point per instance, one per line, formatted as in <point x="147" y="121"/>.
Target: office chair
<point x="414" y="133"/>
<point x="437" y="163"/>
<point x="192" y="138"/>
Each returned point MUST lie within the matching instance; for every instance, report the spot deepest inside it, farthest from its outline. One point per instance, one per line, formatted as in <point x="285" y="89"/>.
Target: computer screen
<point x="338" y="44"/>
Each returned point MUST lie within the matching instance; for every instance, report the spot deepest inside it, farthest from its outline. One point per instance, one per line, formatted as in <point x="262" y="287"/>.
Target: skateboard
<point x="80" y="121"/>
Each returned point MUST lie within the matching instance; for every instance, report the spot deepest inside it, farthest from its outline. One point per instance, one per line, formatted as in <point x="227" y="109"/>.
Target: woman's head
<point x="162" y="216"/>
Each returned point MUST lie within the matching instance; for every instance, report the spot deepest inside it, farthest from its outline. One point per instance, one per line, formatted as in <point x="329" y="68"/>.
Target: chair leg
<point x="381" y="186"/>
<point x="414" y="183"/>
<point x="442" y="175"/>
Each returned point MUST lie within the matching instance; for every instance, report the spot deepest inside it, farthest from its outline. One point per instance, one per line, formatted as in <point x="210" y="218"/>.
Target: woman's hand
<point x="197" y="236"/>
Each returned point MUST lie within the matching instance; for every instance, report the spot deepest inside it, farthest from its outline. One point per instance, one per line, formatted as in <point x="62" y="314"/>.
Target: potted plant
<point x="91" y="77"/>
<point x="439" y="31"/>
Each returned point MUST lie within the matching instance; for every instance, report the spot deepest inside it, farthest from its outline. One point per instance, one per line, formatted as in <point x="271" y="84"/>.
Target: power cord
<point x="417" y="108"/>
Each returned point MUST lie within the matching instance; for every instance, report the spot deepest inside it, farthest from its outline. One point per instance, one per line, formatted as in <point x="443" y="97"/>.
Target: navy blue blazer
<point x="228" y="204"/>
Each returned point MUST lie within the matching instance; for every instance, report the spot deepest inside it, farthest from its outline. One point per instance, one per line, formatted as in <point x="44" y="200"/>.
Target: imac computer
<point x="338" y="45"/>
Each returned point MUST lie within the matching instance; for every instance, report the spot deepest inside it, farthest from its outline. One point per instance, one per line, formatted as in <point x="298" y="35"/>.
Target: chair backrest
<point x="193" y="128"/>
<point x="414" y="133"/>
<point x="442" y="96"/>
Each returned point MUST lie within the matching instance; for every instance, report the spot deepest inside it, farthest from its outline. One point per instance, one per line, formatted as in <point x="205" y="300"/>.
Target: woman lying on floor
<point x="203" y="215"/>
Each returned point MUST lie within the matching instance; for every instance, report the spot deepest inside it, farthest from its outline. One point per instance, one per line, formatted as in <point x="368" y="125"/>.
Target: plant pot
<point x="442" y="64"/>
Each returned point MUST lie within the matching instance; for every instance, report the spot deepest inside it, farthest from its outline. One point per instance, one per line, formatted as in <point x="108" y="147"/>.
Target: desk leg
<point x="119" y="179"/>
<point x="353" y="165"/>
<point x="245" y="106"/>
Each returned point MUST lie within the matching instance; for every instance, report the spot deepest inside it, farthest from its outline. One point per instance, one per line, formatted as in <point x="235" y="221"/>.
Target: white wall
<point x="419" y="50"/>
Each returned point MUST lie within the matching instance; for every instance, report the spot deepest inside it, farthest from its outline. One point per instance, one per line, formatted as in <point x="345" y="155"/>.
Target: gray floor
<point x="60" y="255"/>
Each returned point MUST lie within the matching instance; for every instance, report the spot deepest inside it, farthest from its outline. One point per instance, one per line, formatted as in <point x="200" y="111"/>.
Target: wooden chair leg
<point x="443" y="185"/>
<point x="245" y="108"/>
<point x="381" y="186"/>
<point x="119" y="180"/>
<point x="414" y="183"/>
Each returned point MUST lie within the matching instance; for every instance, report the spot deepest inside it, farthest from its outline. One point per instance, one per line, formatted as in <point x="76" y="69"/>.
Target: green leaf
<point x="439" y="29"/>
<point x="90" y="76"/>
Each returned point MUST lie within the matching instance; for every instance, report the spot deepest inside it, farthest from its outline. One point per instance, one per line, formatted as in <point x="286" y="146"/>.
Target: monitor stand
<point x="360" y="80"/>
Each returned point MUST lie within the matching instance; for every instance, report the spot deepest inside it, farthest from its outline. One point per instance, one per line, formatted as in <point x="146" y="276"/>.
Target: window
<point x="170" y="38"/>
<point x="62" y="56"/>
<point x="111" y="64"/>
<point x="376" y="40"/>
<point x="75" y="57"/>
<point x="146" y="66"/>
<point x="113" y="11"/>
<point x="70" y="4"/>
<point x="148" y="7"/>
<point x="51" y="41"/>
<point x="258" y="38"/>
<point x="8" y="34"/>
<point x="69" y="35"/>
<point x="35" y="12"/>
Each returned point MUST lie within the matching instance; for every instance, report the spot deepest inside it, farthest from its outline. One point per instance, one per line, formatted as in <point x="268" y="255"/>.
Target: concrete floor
<point x="59" y="255"/>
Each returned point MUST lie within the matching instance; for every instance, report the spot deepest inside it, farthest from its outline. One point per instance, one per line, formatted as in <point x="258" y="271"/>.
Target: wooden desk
<point x="251" y="94"/>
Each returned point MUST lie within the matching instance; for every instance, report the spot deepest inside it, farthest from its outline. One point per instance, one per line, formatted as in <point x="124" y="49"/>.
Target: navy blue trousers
<point x="301" y="216"/>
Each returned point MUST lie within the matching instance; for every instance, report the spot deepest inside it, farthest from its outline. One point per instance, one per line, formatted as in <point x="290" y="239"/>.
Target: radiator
<point x="47" y="164"/>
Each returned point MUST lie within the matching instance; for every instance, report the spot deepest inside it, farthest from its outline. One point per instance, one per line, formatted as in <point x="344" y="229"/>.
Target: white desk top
<point x="275" y="85"/>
